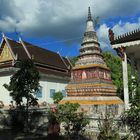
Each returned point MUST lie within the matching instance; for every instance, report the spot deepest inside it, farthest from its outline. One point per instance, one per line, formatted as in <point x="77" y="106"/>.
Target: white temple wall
<point x="4" y="94"/>
<point x="47" y="85"/>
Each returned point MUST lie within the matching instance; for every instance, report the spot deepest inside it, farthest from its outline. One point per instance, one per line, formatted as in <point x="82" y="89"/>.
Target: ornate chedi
<point x="91" y="82"/>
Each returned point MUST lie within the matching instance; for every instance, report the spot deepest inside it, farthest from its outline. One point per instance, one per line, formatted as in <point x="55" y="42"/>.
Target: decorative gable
<point x="5" y="54"/>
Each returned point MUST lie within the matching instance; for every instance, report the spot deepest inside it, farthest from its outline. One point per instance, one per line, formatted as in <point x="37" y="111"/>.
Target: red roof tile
<point x="47" y="61"/>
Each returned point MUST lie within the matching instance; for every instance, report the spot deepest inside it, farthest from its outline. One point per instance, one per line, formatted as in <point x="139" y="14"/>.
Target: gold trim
<point x="5" y="54"/>
<point x="90" y="65"/>
<point x="71" y="85"/>
<point x="85" y="102"/>
<point x="91" y="94"/>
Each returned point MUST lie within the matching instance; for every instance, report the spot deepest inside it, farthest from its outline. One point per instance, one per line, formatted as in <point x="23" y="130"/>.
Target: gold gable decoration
<point x="5" y="54"/>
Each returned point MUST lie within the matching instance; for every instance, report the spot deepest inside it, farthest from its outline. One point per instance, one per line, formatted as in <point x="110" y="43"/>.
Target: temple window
<point x="39" y="93"/>
<point x="52" y="92"/>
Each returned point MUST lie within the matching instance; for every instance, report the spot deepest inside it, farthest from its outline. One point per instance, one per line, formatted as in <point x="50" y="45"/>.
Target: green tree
<point x="115" y="65"/>
<point x="23" y="85"/>
<point x="73" y="121"/>
<point x="57" y="97"/>
<point x="131" y="117"/>
<point x="108" y="128"/>
<point x="73" y="60"/>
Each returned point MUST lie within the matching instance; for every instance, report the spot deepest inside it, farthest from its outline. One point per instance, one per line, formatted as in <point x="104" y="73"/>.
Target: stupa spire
<point x="90" y="26"/>
<point x="89" y="15"/>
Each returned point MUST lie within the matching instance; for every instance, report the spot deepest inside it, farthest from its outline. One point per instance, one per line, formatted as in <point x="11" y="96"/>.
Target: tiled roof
<point x="44" y="56"/>
<point x="51" y="62"/>
<point x="128" y="37"/>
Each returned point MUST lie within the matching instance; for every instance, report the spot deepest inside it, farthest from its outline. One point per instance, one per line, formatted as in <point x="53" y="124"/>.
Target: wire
<point x="62" y="41"/>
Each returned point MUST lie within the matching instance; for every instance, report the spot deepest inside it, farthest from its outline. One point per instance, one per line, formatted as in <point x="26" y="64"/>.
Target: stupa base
<point x="97" y="105"/>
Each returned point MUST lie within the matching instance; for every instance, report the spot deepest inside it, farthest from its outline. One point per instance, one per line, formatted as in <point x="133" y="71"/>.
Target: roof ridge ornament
<point x="3" y="35"/>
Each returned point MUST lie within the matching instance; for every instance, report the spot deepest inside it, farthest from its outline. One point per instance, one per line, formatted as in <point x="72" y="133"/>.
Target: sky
<point x="58" y="25"/>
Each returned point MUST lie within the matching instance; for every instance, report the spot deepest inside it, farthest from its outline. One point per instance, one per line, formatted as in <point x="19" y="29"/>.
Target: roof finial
<point x="3" y="35"/>
<point x="89" y="15"/>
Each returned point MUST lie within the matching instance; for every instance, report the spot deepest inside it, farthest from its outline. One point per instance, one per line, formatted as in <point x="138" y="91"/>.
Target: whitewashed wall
<point x="45" y="83"/>
<point x="48" y="84"/>
<point x="4" y="94"/>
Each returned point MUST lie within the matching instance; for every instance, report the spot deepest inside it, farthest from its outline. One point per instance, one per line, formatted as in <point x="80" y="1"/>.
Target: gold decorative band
<point x="85" y="102"/>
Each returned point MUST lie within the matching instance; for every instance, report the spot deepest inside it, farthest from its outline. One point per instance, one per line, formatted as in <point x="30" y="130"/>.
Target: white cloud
<point x="121" y="29"/>
<point x="110" y="8"/>
<point x="7" y="24"/>
<point x="118" y="29"/>
<point x="59" y="18"/>
<point x="102" y="34"/>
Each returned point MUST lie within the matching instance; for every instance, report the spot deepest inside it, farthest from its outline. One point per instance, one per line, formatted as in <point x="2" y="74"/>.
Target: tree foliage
<point x="115" y="65"/>
<point x="108" y="128"/>
<point x="73" y="60"/>
<point x="24" y="83"/>
<point x="73" y="122"/>
<point x="57" y="97"/>
<point x="131" y="117"/>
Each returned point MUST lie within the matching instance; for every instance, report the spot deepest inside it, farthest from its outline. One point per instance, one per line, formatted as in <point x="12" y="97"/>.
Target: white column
<point x="125" y="82"/>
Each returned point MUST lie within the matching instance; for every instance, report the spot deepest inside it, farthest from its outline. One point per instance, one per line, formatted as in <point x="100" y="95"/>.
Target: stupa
<point x="91" y="83"/>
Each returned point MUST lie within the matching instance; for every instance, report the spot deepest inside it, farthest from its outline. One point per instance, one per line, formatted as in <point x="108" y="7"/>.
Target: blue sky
<point x="58" y="25"/>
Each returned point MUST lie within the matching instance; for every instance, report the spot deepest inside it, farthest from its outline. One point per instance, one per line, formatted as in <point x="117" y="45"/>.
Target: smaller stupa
<point x="91" y="84"/>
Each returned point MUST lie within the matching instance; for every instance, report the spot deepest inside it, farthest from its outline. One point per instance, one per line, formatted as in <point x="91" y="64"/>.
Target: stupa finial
<point x="90" y="26"/>
<point x="89" y="15"/>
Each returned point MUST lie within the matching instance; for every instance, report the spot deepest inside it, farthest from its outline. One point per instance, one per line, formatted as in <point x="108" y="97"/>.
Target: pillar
<point x="125" y="82"/>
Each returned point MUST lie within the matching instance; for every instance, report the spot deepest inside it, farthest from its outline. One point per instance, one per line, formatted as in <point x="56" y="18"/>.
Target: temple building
<point x="54" y="69"/>
<point x="91" y="85"/>
<point x="128" y="48"/>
